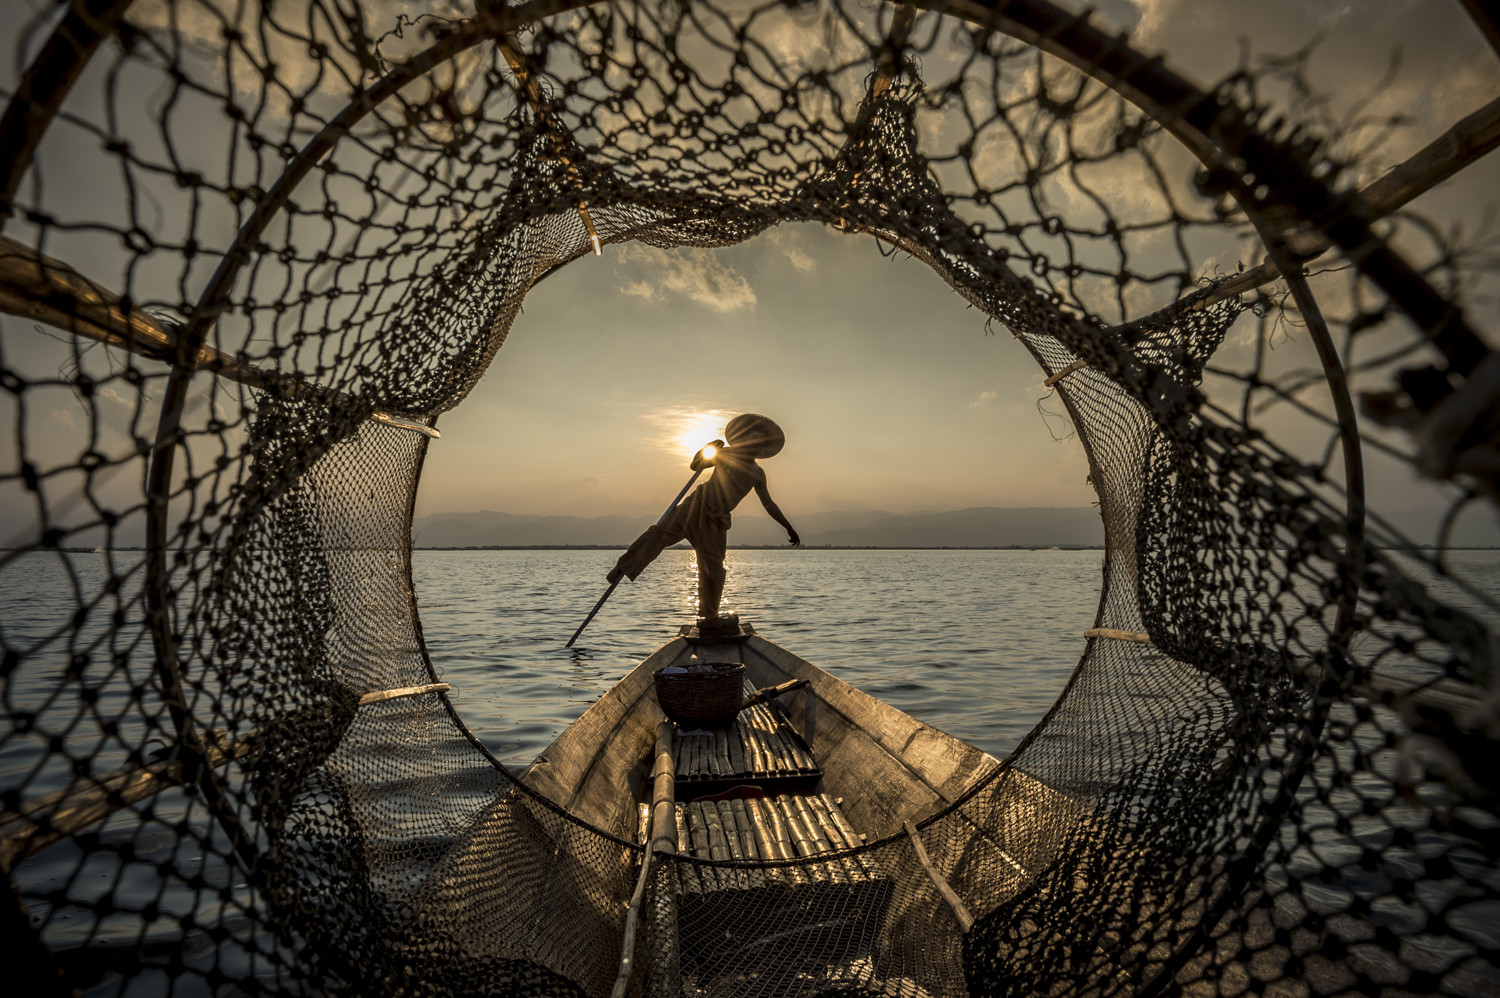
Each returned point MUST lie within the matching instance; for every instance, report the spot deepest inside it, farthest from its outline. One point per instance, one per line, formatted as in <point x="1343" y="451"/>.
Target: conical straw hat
<point x="755" y="435"/>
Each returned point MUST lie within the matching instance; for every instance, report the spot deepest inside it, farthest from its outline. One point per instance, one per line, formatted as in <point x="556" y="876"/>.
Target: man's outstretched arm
<point x="702" y="460"/>
<point x="776" y="514"/>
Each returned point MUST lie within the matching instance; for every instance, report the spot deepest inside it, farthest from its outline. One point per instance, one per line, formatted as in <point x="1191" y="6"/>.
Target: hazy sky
<point x="891" y="392"/>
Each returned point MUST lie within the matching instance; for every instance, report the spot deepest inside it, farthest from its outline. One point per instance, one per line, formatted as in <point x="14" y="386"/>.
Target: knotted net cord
<point x="348" y="209"/>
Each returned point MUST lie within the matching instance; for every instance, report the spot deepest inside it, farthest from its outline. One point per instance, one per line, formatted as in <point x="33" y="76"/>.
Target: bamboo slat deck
<point x="760" y="746"/>
<point x="791" y="826"/>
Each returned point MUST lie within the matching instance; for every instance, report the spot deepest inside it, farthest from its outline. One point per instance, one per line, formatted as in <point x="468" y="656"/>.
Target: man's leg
<point x="709" y="535"/>
<point x="649" y="546"/>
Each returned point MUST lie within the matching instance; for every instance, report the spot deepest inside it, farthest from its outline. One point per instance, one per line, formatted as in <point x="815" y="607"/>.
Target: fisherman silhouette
<point x="703" y="518"/>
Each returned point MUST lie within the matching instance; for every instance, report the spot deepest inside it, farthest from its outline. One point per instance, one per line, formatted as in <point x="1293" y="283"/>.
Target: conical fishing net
<point x="253" y="251"/>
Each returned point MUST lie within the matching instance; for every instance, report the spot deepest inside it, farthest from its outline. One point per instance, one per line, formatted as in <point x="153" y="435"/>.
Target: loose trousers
<point x="706" y="529"/>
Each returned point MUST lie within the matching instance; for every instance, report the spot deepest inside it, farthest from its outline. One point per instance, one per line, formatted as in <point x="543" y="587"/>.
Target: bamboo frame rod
<point x="632" y="920"/>
<point x="405" y="691"/>
<point x="57" y="816"/>
<point x="663" y="839"/>
<point x="532" y="93"/>
<point x="1467" y="141"/>
<point x="36" y="286"/>
<point x="1109" y="632"/>
<point x="960" y="911"/>
<point x="1077" y="365"/>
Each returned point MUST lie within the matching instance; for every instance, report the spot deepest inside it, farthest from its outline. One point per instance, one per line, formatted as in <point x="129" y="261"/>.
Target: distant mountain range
<point x="984" y="526"/>
<point x="980" y="526"/>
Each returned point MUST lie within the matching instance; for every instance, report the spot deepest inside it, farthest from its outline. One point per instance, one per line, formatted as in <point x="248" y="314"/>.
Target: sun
<point x="698" y="428"/>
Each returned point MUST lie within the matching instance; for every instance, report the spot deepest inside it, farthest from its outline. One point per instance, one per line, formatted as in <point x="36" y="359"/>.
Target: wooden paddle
<point x="612" y="585"/>
<point x="772" y="692"/>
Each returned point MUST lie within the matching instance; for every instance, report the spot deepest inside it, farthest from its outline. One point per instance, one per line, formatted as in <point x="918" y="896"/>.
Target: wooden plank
<point x="960" y="912"/>
<point x="888" y="766"/>
<point x="586" y="768"/>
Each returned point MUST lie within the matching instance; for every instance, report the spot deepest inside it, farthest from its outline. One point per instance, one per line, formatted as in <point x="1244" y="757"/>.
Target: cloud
<point x="801" y="260"/>
<point x="698" y="275"/>
<point x="983" y="400"/>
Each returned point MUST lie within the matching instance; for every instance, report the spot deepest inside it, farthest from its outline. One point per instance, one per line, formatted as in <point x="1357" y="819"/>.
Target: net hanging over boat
<point x="253" y="251"/>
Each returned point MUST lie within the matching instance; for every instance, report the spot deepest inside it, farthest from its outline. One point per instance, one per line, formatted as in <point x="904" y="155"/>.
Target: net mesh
<point x="254" y="251"/>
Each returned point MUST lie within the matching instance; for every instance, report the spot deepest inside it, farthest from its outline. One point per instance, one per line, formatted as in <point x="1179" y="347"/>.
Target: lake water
<point x="977" y="643"/>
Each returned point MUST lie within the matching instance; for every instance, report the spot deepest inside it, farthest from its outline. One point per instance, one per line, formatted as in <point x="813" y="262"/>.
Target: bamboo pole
<point x="690" y="882"/>
<point x="528" y="86"/>
<point x="798" y="756"/>
<point x="850" y="835"/>
<point x="771" y="745"/>
<point x="664" y="793"/>
<point x="777" y="822"/>
<point x="733" y="841"/>
<point x="765" y="840"/>
<point x="747" y="839"/>
<point x="820" y="841"/>
<point x="960" y="912"/>
<point x="701" y="848"/>
<point x="852" y="868"/>
<point x="721" y="748"/>
<point x="760" y="761"/>
<point x="752" y="750"/>
<point x="799" y="837"/>
<point x="737" y="763"/>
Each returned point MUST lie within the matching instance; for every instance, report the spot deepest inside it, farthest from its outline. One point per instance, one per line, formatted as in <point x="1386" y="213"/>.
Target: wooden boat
<point x="887" y="767"/>
<point x="823" y="769"/>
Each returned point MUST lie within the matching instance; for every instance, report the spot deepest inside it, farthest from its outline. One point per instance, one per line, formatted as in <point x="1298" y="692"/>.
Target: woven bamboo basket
<point x="702" y="699"/>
